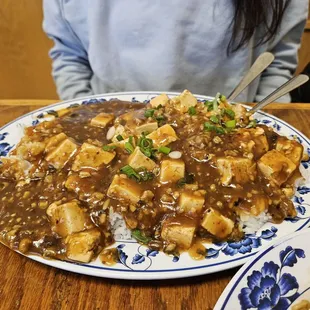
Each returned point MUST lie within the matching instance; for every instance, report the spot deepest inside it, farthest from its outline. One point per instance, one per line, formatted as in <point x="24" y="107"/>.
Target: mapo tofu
<point x="177" y="171"/>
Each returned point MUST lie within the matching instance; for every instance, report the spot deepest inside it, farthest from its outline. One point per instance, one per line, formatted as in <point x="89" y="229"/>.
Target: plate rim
<point x="146" y="274"/>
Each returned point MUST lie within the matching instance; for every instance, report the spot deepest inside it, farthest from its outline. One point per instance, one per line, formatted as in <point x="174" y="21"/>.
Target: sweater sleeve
<point x="70" y="69"/>
<point x="285" y="49"/>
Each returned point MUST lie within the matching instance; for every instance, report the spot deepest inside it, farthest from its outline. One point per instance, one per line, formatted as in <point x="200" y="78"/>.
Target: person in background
<point x="205" y="46"/>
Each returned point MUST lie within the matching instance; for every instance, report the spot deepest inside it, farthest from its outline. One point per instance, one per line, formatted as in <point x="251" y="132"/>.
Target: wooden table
<point x="25" y="284"/>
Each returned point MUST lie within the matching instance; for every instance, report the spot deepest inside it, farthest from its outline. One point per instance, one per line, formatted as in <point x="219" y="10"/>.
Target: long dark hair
<point x="249" y="14"/>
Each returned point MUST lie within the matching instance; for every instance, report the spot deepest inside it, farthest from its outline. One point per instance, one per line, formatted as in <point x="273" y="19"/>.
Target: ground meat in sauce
<point x="25" y="223"/>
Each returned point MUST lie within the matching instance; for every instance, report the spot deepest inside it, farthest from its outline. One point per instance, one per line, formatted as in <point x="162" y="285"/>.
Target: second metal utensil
<point x="260" y="64"/>
<point x="287" y="87"/>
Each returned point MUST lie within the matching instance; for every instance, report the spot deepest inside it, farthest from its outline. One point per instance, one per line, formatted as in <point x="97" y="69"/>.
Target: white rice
<point x="118" y="226"/>
<point x="251" y="224"/>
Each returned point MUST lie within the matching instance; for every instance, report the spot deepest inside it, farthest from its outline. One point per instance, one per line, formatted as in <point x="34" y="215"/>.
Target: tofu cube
<point x="291" y="149"/>
<point x="91" y="156"/>
<point x="276" y="167"/>
<point x="261" y="143"/>
<point x="82" y="246"/>
<point x="67" y="218"/>
<point x="239" y="169"/>
<point x="180" y="233"/>
<point x="217" y="224"/>
<point x="184" y="101"/>
<point x="102" y="120"/>
<point x="190" y="202"/>
<point x="162" y="99"/>
<point x="138" y="160"/>
<point x="61" y="154"/>
<point x="124" y="189"/>
<point x="163" y="136"/>
<point x="171" y="170"/>
<point x="52" y="142"/>
<point x="148" y="127"/>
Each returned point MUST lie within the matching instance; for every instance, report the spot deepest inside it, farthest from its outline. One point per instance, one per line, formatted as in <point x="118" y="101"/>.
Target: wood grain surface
<point x="25" y="284"/>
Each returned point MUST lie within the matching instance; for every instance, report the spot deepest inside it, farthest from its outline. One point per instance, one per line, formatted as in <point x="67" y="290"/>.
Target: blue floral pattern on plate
<point x="271" y="288"/>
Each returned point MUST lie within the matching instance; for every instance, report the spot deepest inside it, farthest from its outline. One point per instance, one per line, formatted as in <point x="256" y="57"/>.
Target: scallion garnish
<point x="188" y="179"/>
<point x="210" y="127"/>
<point x="146" y="145"/>
<point x="192" y="111"/>
<point x="164" y="149"/>
<point x="231" y="123"/>
<point x="252" y="124"/>
<point x="215" y="101"/>
<point x="149" y="113"/>
<point x="140" y="236"/>
<point x="229" y="113"/>
<point x="209" y="105"/>
<point x="214" y="119"/>
<point x="222" y="98"/>
<point x="119" y="138"/>
<point x="130" y="172"/>
<point x="109" y="147"/>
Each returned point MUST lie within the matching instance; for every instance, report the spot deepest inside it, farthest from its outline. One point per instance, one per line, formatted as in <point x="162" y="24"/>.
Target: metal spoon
<point x="293" y="83"/>
<point x="260" y="64"/>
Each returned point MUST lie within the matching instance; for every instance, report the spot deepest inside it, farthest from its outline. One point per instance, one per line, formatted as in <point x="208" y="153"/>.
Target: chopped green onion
<point x="192" y="111"/>
<point x="130" y="172"/>
<point x="209" y="105"/>
<point x="230" y="113"/>
<point x="252" y="124"/>
<point x="145" y="175"/>
<point x="231" y="123"/>
<point x="222" y="98"/>
<point x="146" y="145"/>
<point x="140" y="236"/>
<point x="188" y="179"/>
<point x="210" y="127"/>
<point x="164" y="149"/>
<point x="129" y="148"/>
<point x="119" y="138"/>
<point x="149" y="113"/>
<point x="214" y="119"/>
<point x="215" y="101"/>
<point x="220" y="130"/>
<point x="159" y="107"/>
<point x="160" y="119"/>
<point x="109" y="147"/>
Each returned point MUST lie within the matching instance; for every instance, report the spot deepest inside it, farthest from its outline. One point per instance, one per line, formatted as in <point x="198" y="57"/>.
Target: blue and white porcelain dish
<point x="141" y="263"/>
<point x="277" y="278"/>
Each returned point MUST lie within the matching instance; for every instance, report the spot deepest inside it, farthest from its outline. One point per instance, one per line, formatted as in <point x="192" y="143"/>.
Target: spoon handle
<point x="260" y="64"/>
<point x="293" y="83"/>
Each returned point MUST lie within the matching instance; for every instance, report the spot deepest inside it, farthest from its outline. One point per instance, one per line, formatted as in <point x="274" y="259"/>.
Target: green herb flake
<point x="119" y="138"/>
<point x="222" y="98"/>
<point x="192" y="111"/>
<point x="140" y="236"/>
<point x="231" y="123"/>
<point x="146" y="175"/>
<point x="220" y="130"/>
<point x="109" y="148"/>
<point x="146" y="145"/>
<point x="230" y="113"/>
<point x="164" y="149"/>
<point x="209" y="105"/>
<point x="188" y="179"/>
<point x="130" y="172"/>
<point x="252" y="124"/>
<point x="214" y="119"/>
<point x="149" y="113"/>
